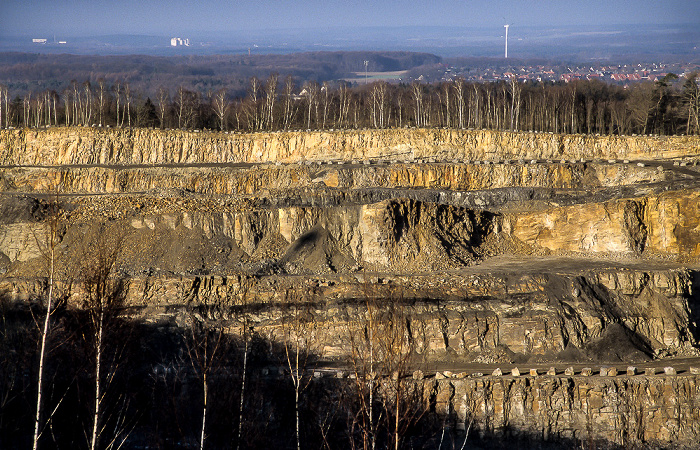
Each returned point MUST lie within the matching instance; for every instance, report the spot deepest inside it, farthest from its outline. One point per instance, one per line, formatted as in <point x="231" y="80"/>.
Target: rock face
<point x="61" y="146"/>
<point x="629" y="411"/>
<point x="495" y="259"/>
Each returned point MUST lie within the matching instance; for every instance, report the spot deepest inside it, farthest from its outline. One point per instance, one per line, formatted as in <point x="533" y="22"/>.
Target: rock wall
<point x="399" y="235"/>
<point x="462" y="316"/>
<point x="62" y="146"/>
<point x="267" y="177"/>
<point x="668" y="224"/>
<point x="627" y="411"/>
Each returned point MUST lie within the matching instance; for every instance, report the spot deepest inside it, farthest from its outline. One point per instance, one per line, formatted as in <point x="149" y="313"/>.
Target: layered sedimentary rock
<point x="95" y="146"/>
<point x="626" y="411"/>
<point x="501" y="247"/>
<point x="251" y="180"/>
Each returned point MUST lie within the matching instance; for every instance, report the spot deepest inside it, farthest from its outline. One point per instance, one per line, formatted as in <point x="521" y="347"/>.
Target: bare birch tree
<point x="691" y="99"/>
<point x="417" y="90"/>
<point x="459" y="94"/>
<point x="3" y="90"/>
<point x="50" y="252"/>
<point x="101" y="98"/>
<point x="301" y="344"/>
<point x="381" y="351"/>
<point x="103" y="299"/>
<point x="163" y="102"/>
<point x="221" y="107"/>
<point x="206" y="344"/>
<point x="311" y="89"/>
<point x="288" y="101"/>
<point x="127" y="104"/>
<point x="270" y="98"/>
<point x="118" y="97"/>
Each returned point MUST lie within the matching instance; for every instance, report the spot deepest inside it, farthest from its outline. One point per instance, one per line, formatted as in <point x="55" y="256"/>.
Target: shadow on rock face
<point x="694" y="306"/>
<point x="619" y="344"/>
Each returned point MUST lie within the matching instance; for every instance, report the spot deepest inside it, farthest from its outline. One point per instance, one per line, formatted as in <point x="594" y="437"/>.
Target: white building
<point x="179" y="41"/>
<point x="39" y="41"/>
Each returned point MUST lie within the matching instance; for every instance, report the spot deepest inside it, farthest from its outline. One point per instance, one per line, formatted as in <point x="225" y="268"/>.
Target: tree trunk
<point x="44" y="336"/>
<point x="205" y="386"/>
<point x="98" y="393"/>
<point x="240" y="407"/>
<point x="296" y="409"/>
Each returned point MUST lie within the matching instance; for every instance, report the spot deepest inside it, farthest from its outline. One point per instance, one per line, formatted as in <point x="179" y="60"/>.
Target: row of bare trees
<point x="378" y="407"/>
<point x="668" y="106"/>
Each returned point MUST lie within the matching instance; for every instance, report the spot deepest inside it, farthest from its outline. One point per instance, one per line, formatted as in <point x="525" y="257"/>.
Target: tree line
<point x="667" y="107"/>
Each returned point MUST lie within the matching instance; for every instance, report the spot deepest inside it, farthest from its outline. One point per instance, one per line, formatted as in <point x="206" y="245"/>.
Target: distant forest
<point x="26" y="72"/>
<point x="291" y="92"/>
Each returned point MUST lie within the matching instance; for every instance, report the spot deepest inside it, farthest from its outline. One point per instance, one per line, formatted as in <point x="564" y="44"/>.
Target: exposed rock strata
<point x="512" y="260"/>
<point x="628" y="411"/>
<point x="61" y="146"/>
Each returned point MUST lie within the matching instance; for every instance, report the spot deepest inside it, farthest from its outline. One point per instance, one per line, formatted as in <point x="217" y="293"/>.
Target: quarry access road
<point x="680" y="365"/>
<point x="381" y="162"/>
<point x="526" y="265"/>
<point x="461" y="369"/>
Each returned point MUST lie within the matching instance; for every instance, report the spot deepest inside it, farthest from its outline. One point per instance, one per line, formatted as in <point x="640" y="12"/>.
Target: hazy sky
<point x="172" y="17"/>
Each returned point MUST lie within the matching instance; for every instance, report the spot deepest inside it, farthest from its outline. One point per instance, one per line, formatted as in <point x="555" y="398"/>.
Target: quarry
<point x="550" y="283"/>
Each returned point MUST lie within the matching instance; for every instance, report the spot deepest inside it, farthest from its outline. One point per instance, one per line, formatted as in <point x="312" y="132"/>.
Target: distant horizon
<point x="346" y="28"/>
<point x="579" y="42"/>
<point x="161" y="17"/>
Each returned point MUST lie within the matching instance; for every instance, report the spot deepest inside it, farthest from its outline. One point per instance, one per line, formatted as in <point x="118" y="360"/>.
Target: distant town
<point x="622" y="74"/>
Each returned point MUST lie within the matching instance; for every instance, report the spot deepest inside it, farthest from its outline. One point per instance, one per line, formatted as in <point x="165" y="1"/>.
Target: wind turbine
<point x="506" y="27"/>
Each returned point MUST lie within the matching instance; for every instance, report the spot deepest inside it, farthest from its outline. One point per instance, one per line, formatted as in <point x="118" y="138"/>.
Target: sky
<point x="177" y="17"/>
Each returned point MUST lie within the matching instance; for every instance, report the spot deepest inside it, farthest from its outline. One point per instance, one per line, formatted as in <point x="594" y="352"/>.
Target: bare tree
<point x="117" y="87"/>
<point x="311" y="89"/>
<point x="127" y="106"/>
<point x="515" y="103"/>
<point x="26" y="109"/>
<point x="221" y="107"/>
<point x="691" y="99"/>
<point x="448" y="105"/>
<point x="418" y="99"/>
<point x="396" y="349"/>
<point x="381" y="350"/>
<point x="344" y="105"/>
<point x="301" y="344"/>
<point x="364" y="358"/>
<point x="641" y="104"/>
<point x="101" y="98"/>
<point x="77" y="104"/>
<point x="103" y="300"/>
<point x="188" y="104"/>
<point x="326" y="101"/>
<point x="288" y="101"/>
<point x="87" y="88"/>
<point x="459" y="94"/>
<point x="163" y="102"/>
<point x="242" y="314"/>
<point x="181" y="106"/>
<point x="50" y="252"/>
<point x="270" y="97"/>
<point x="3" y="89"/>
<point x="38" y="110"/>
<point x="399" y="107"/>
<point x="379" y="104"/>
<point x="206" y="344"/>
<point x="254" y="108"/>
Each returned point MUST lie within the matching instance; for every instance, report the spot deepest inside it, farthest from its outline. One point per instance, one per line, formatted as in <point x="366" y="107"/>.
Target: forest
<point x="669" y="106"/>
<point x="23" y="73"/>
